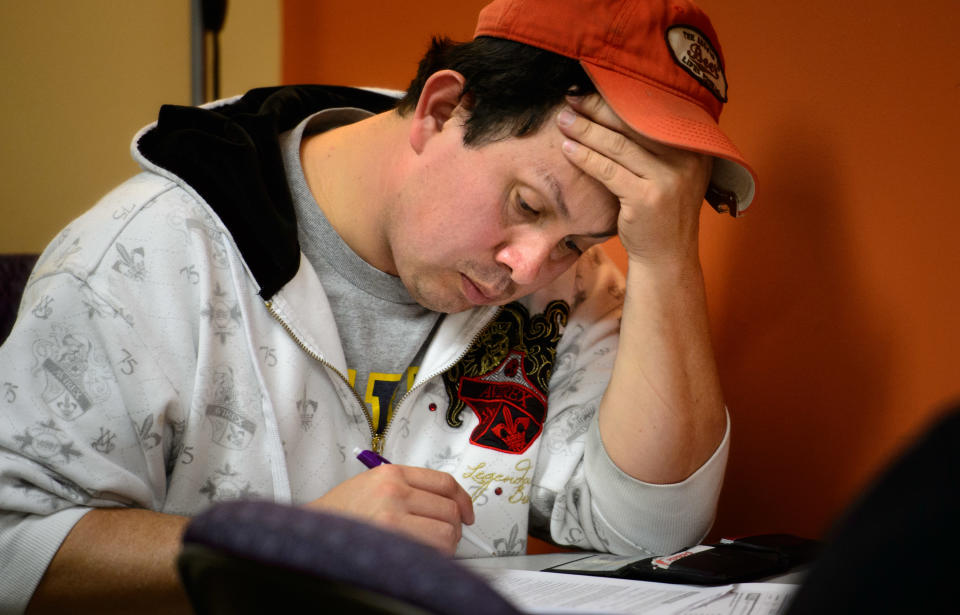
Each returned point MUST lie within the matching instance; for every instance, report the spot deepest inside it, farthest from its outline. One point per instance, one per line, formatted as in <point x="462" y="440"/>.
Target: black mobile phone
<point x="729" y="561"/>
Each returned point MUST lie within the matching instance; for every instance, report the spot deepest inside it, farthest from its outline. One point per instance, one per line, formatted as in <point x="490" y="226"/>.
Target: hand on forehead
<point x="593" y="106"/>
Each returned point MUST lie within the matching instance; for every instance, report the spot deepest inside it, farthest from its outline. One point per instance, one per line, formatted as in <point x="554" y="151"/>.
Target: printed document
<point x="550" y="593"/>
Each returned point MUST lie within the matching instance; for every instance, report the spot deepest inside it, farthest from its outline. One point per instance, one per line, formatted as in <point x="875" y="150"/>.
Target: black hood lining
<point x="231" y="156"/>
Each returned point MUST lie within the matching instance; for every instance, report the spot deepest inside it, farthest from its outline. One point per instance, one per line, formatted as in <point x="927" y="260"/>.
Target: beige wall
<point x="80" y="78"/>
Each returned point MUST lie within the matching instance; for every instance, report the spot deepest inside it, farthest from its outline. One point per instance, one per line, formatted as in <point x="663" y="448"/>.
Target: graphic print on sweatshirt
<point x="504" y="377"/>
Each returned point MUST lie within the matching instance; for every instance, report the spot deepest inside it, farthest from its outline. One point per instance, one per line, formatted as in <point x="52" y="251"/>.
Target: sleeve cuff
<point x="29" y="544"/>
<point x="659" y="519"/>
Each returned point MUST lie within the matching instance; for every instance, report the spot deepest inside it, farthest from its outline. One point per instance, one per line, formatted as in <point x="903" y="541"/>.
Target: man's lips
<point x="478" y="295"/>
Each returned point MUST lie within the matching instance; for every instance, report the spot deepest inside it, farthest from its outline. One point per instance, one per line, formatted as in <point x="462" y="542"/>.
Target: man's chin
<point x="454" y="305"/>
<point x="442" y="304"/>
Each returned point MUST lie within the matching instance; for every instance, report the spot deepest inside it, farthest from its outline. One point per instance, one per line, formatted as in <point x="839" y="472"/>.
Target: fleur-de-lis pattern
<point x="512" y="544"/>
<point x="130" y="262"/>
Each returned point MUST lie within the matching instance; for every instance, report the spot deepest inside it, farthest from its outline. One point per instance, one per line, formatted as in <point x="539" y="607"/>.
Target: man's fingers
<point x="587" y="131"/>
<point x="423" y="503"/>
<point x="426" y="504"/>
<point x="623" y="160"/>
<point x="423" y="492"/>
<point x="595" y="109"/>
<point x="440" y="535"/>
<point x="603" y="169"/>
<point x="443" y="485"/>
<point x="605" y="154"/>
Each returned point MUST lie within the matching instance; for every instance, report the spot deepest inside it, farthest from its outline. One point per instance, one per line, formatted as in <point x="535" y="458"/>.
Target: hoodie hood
<point x="229" y="154"/>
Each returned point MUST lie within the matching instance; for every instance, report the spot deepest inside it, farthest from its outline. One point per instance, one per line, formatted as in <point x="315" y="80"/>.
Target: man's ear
<point x="437" y="105"/>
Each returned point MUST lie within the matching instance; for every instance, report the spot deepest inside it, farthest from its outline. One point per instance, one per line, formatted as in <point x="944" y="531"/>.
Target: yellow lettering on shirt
<point x="374" y="400"/>
<point x="519" y="479"/>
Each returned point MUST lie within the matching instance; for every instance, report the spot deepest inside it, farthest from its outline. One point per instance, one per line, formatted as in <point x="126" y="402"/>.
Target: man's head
<point x="486" y="224"/>
<point x="490" y="209"/>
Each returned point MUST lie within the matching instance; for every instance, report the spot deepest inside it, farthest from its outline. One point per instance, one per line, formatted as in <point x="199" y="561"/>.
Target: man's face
<point x="487" y="225"/>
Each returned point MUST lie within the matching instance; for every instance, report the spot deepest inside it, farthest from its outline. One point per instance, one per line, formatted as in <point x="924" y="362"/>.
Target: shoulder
<point x="147" y="209"/>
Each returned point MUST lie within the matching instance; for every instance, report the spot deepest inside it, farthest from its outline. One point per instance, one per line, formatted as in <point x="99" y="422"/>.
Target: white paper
<point x="549" y="593"/>
<point x="750" y="599"/>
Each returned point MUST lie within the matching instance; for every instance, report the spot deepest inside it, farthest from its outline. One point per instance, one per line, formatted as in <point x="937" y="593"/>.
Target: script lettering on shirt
<point x="520" y="480"/>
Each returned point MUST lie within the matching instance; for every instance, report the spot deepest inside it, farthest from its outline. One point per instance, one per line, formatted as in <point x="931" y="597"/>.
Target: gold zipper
<point x="377" y="441"/>
<point x="437" y="373"/>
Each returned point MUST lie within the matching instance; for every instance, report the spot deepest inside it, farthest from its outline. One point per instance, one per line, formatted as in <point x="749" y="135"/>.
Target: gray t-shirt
<point x="381" y="327"/>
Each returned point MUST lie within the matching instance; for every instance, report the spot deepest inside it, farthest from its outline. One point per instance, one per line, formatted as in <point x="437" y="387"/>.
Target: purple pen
<point x="369" y="458"/>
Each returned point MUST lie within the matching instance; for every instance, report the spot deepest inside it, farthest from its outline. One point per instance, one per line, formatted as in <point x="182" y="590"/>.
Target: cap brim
<point x="677" y="121"/>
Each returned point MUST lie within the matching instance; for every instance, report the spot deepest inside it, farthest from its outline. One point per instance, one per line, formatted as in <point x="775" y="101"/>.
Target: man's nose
<point x="525" y="259"/>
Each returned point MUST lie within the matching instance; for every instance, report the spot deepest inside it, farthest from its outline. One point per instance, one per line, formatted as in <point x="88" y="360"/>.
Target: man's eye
<point x="572" y="246"/>
<point x="526" y="208"/>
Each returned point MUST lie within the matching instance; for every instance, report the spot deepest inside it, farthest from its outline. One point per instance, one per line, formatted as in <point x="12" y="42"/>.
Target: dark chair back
<point x="895" y="549"/>
<point x="250" y="556"/>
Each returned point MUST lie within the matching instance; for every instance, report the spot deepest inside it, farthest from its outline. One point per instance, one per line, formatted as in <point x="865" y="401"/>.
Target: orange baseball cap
<point x="657" y="63"/>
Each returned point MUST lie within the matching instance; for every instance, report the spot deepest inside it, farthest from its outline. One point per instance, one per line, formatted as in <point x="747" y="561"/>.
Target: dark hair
<point x="510" y="87"/>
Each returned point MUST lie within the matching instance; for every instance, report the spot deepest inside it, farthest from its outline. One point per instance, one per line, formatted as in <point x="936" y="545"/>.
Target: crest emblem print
<point x="231" y="429"/>
<point x="510" y="409"/>
<point x="505" y="375"/>
<point x="74" y="373"/>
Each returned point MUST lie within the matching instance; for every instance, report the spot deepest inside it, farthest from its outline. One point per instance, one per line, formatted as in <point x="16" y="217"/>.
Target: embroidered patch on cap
<point x="695" y="53"/>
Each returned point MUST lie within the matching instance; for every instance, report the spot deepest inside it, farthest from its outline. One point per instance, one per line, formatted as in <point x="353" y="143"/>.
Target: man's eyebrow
<point x="557" y="193"/>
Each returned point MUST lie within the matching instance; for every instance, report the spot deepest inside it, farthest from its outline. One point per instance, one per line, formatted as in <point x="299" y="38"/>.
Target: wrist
<point x="671" y="270"/>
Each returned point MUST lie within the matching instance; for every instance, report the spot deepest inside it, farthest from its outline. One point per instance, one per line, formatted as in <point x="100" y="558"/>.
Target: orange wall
<point x="376" y="43"/>
<point x="834" y="301"/>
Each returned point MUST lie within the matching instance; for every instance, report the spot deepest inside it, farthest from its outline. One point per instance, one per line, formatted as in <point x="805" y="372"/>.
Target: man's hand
<point x="427" y="505"/>
<point x="662" y="415"/>
<point x="660" y="188"/>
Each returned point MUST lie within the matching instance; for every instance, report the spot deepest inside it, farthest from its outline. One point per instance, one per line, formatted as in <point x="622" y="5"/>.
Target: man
<point x="305" y="271"/>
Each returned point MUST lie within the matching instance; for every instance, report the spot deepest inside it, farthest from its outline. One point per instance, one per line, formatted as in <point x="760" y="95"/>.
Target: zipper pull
<point x="376" y="443"/>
